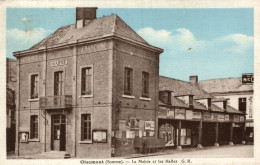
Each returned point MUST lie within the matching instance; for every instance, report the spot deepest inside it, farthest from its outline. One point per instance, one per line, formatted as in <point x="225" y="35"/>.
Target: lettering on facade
<point x="92" y="48"/>
<point x="247" y="79"/>
<point x="221" y="117"/>
<point x="189" y="115"/>
<point x="226" y="117"/>
<point x="32" y="58"/>
<point x="207" y="116"/>
<point x="179" y="113"/>
<point x="196" y="115"/>
<point x="59" y="62"/>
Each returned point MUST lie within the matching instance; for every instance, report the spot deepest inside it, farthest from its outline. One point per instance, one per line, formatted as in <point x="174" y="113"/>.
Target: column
<point x="179" y="135"/>
<point x="244" y="133"/>
<point x="231" y="134"/>
<point x="216" y="140"/>
<point x="200" y="135"/>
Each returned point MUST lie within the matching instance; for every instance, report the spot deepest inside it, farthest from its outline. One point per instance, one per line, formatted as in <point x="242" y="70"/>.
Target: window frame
<point x="147" y="80"/>
<point x="31" y="86"/>
<point x="92" y="80"/>
<point x="62" y="83"/>
<point x="130" y="91"/>
<point x="239" y="103"/>
<point x="34" y="134"/>
<point x="82" y="133"/>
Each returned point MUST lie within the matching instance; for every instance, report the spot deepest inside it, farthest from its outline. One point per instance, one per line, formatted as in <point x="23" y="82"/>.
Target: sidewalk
<point x="167" y="151"/>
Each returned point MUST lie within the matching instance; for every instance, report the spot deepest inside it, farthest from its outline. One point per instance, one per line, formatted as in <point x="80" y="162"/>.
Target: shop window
<point x="85" y="127"/>
<point x="242" y="104"/>
<point x="34" y="127"/>
<point x="145" y="84"/>
<point x="34" y="86"/>
<point x="58" y="83"/>
<point x="128" y="81"/>
<point x="86" y="81"/>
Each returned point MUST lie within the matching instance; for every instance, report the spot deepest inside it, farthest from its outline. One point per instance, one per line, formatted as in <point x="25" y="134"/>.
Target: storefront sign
<point x="215" y="116"/>
<point x="242" y="119"/>
<point x="59" y="62"/>
<point x="247" y="79"/>
<point x="221" y="117"/>
<point x="149" y="125"/>
<point x="226" y="117"/>
<point x="207" y="116"/>
<point x="189" y="115"/>
<point x="170" y="112"/>
<point x="100" y="136"/>
<point x="179" y="113"/>
<point x="236" y="118"/>
<point x="196" y="115"/>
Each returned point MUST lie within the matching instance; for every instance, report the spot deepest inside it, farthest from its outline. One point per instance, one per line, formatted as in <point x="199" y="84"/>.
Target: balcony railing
<point x="56" y="102"/>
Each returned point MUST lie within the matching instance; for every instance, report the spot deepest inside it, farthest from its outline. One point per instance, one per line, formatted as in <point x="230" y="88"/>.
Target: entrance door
<point x="58" y="137"/>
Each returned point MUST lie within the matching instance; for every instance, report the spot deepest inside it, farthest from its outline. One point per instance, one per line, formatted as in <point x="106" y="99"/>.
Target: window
<point x="86" y="81"/>
<point x="34" y="127"/>
<point x="145" y="84"/>
<point x="242" y="104"/>
<point x="58" y="83"/>
<point x="128" y="82"/>
<point x="85" y="127"/>
<point x="34" y="86"/>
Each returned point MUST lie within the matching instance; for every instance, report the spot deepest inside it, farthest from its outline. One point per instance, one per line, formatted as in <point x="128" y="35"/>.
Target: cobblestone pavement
<point x="236" y="151"/>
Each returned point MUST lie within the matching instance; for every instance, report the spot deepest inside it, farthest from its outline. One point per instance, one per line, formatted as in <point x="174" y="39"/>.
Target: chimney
<point x="85" y="15"/>
<point x="193" y="79"/>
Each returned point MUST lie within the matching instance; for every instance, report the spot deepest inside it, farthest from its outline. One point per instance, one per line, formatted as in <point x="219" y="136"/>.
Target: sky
<point x="210" y="43"/>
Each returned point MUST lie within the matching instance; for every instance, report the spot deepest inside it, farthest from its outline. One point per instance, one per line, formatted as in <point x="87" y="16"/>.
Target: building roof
<point x="233" y="110"/>
<point x="216" y="108"/>
<point x="179" y="87"/>
<point x="226" y="85"/>
<point x="99" y="27"/>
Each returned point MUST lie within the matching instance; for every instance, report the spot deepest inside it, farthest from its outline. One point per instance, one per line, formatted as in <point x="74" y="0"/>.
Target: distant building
<point x="10" y="104"/>
<point x="190" y="117"/>
<point x="239" y="93"/>
<point x="87" y="90"/>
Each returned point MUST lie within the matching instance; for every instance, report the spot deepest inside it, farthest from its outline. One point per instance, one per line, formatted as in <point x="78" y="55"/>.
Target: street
<point x="236" y="151"/>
